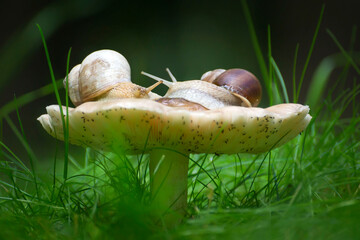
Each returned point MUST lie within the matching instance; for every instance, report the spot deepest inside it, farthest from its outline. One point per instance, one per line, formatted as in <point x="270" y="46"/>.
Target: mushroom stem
<point x="168" y="173"/>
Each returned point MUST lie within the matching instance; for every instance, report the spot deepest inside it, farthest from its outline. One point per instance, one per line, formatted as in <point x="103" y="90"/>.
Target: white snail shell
<point x="101" y="75"/>
<point x="73" y="81"/>
<point x="100" y="71"/>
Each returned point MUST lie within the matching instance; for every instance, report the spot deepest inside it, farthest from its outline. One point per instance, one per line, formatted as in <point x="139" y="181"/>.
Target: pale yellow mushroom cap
<point x="137" y="125"/>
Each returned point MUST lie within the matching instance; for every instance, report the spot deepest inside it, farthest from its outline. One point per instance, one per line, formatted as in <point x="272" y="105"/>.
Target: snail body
<point x="181" y="103"/>
<point x="102" y="75"/>
<point x="204" y="93"/>
<point x="217" y="88"/>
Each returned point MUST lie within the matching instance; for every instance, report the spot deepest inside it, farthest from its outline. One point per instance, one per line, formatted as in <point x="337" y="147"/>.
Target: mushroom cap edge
<point x="135" y="125"/>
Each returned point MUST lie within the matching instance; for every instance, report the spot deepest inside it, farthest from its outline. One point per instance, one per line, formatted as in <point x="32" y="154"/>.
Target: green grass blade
<point x="353" y="38"/>
<point x="51" y="70"/>
<point x="28" y="98"/>
<point x="269" y="82"/>
<point x="282" y="83"/>
<point x="66" y="126"/>
<point x="66" y="160"/>
<point x="20" y="163"/>
<point x="294" y="71"/>
<point x="347" y="56"/>
<point x="296" y="98"/>
<point x="21" y="138"/>
<point x="322" y="75"/>
<point x="30" y="154"/>
<point x="255" y="42"/>
<point x="319" y="81"/>
<point x="268" y="177"/>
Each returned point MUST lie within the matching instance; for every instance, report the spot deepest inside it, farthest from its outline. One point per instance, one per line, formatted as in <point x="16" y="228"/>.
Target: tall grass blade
<point x="269" y="82"/>
<point x="319" y="81"/>
<point x="268" y="177"/>
<point x="296" y="98"/>
<point x="66" y="126"/>
<point x="347" y="56"/>
<point x="255" y="43"/>
<point x="66" y="160"/>
<point x="322" y="75"/>
<point x="21" y="138"/>
<point x="28" y="98"/>
<point x="294" y="71"/>
<point x="30" y="154"/>
<point x="51" y="70"/>
<point x="20" y="163"/>
<point x="281" y="79"/>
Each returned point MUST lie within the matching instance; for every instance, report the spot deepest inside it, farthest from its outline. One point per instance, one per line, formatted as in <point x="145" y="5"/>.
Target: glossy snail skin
<point x="218" y="88"/>
<point x="181" y="103"/>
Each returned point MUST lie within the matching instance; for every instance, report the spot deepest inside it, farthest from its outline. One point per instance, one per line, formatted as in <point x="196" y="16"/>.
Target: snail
<point x="241" y="83"/>
<point x="104" y="74"/>
<point x="216" y="89"/>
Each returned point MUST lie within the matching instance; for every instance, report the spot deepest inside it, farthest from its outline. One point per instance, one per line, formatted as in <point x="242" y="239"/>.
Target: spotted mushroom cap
<point x="138" y="125"/>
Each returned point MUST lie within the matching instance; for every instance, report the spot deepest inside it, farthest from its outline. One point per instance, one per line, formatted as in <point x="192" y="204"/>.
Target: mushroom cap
<point x="138" y="125"/>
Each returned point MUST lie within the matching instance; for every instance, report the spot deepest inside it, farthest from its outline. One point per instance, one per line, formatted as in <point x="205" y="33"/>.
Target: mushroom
<point x="169" y="134"/>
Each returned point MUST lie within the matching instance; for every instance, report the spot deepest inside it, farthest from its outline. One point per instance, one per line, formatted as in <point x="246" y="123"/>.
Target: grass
<point x="306" y="189"/>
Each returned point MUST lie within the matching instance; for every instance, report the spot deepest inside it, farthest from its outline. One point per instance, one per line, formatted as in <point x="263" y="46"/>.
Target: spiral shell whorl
<point x="241" y="82"/>
<point x="101" y="71"/>
<point x="210" y="76"/>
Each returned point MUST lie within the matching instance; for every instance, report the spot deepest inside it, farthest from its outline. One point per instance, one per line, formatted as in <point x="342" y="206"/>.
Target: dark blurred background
<point x="189" y="37"/>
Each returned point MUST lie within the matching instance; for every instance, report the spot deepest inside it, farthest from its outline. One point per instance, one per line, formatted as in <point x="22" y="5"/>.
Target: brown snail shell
<point x="241" y="83"/>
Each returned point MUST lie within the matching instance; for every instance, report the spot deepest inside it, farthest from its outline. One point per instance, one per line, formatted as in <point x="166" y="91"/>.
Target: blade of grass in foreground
<point x="21" y="138"/>
<point x="296" y="98"/>
<point x="51" y="70"/>
<point x="64" y="123"/>
<point x="19" y="162"/>
<point x="281" y="79"/>
<point x="31" y="159"/>
<point x="294" y="71"/>
<point x="270" y="79"/>
<point x="66" y="127"/>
